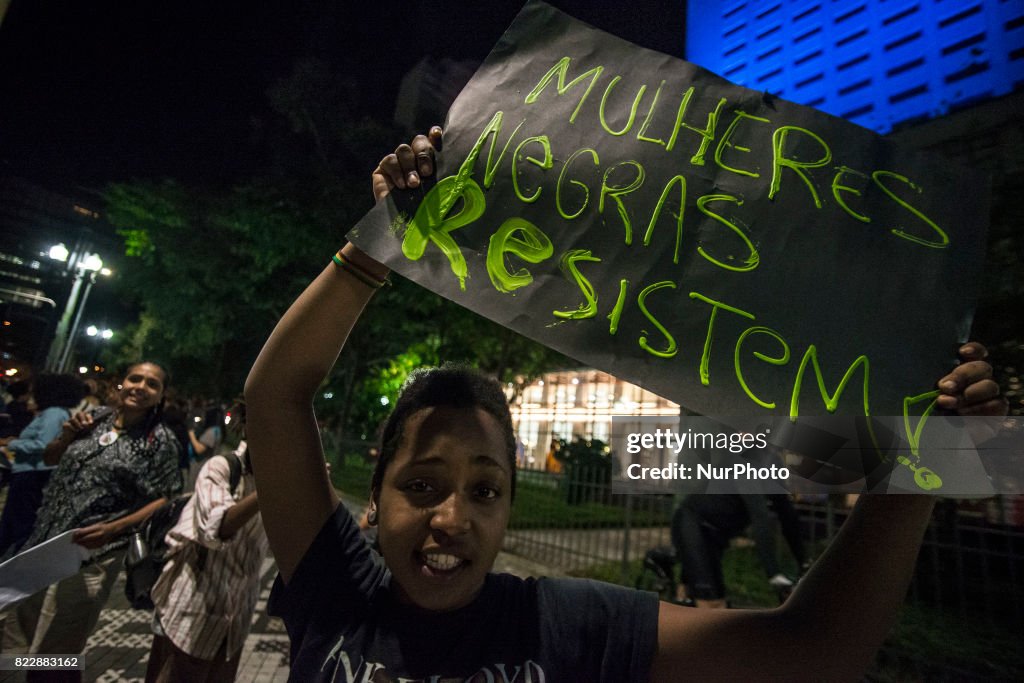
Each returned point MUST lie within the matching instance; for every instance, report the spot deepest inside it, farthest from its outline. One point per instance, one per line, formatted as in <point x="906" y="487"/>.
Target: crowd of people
<point x="98" y="463"/>
<point x="422" y="602"/>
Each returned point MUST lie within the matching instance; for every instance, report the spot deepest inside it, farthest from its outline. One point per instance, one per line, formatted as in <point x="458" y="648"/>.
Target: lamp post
<point x="89" y="275"/>
<point x="85" y="269"/>
<point x="60" y="252"/>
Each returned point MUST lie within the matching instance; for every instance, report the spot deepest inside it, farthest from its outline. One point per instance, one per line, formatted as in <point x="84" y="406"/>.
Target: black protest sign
<point x="727" y="249"/>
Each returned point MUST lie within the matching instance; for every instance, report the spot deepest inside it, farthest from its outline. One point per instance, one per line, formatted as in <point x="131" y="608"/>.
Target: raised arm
<point x="832" y="625"/>
<point x="295" y="494"/>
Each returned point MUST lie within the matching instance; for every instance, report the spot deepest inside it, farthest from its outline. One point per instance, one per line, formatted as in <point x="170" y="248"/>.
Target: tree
<point x="405" y="327"/>
<point x="211" y="273"/>
<point x="212" y="270"/>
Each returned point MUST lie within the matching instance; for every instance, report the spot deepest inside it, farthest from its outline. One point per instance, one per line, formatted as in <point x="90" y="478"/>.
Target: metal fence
<point x="575" y="522"/>
<point x="971" y="561"/>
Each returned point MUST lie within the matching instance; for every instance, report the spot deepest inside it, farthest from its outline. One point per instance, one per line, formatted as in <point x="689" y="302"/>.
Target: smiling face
<point x="142" y="388"/>
<point x="443" y="506"/>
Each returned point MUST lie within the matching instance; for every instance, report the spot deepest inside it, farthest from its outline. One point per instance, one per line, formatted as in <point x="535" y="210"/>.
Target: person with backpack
<point x="206" y="594"/>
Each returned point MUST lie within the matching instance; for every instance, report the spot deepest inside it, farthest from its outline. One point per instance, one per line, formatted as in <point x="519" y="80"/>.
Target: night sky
<point x="100" y="91"/>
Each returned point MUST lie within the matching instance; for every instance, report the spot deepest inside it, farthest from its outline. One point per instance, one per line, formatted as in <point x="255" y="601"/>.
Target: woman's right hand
<point x="404" y="167"/>
<point x="77" y="424"/>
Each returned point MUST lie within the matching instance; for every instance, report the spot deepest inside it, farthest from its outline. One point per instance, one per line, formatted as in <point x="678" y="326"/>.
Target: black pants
<point x="703" y="525"/>
<point x="700" y="544"/>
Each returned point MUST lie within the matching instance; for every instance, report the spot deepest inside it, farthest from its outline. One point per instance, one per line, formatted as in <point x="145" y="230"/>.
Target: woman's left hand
<point x="95" y="535"/>
<point x="969" y="389"/>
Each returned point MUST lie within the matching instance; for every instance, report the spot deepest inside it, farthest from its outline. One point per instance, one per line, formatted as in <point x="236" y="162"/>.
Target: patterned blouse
<point x="100" y="479"/>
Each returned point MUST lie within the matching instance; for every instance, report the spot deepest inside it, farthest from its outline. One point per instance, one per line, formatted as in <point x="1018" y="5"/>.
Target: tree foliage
<point x="405" y="327"/>
<point x="212" y="273"/>
<point x="212" y="270"/>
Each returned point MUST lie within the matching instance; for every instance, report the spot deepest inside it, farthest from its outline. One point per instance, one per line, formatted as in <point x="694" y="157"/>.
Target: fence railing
<point x="571" y="521"/>
<point x="971" y="562"/>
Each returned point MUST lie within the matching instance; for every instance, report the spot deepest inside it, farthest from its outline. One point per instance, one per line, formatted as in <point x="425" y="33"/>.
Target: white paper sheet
<point x="34" y="569"/>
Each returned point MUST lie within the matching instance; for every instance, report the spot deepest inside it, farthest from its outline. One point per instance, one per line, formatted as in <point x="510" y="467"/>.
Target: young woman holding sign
<point x="429" y="607"/>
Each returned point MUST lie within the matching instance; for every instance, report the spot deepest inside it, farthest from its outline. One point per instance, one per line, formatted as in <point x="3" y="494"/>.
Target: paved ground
<point x="119" y="648"/>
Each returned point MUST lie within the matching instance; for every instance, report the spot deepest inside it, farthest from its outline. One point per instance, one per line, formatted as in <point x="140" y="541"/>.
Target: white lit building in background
<point x="578" y="403"/>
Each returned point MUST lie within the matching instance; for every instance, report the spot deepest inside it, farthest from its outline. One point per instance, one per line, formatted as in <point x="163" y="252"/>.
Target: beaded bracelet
<point x="358" y="273"/>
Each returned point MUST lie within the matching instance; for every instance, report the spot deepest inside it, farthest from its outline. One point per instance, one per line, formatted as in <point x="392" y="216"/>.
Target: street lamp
<point x="59" y="252"/>
<point x="85" y="269"/>
<point x="92" y="262"/>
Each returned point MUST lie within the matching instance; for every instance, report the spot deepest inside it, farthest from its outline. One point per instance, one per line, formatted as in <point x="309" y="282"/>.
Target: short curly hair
<point x="451" y="385"/>
<point x="62" y="391"/>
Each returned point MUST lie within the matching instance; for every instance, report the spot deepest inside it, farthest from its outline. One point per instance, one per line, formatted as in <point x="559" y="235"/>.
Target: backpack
<point x="148" y="549"/>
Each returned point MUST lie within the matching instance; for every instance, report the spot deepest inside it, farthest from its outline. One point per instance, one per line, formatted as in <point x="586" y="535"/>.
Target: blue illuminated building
<point x="878" y="63"/>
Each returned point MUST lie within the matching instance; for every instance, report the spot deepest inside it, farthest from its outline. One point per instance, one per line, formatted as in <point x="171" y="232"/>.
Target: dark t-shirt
<point x="345" y="624"/>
